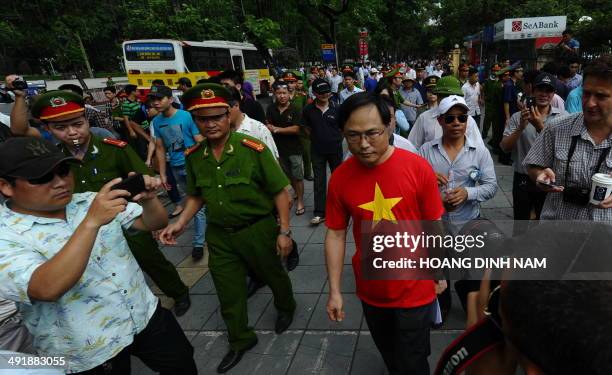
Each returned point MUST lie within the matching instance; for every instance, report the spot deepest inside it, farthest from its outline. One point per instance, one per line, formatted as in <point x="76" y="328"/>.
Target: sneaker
<point x="197" y="253"/>
<point x="317" y="220"/>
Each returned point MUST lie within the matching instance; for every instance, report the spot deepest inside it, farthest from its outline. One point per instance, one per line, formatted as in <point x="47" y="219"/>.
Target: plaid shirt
<point x="551" y="149"/>
<point x="98" y="118"/>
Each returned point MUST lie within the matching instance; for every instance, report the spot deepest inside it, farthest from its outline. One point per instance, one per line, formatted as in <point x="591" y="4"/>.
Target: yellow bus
<point x="149" y="59"/>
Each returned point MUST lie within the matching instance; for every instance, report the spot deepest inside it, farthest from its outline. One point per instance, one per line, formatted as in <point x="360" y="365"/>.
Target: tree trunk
<point x="85" y="58"/>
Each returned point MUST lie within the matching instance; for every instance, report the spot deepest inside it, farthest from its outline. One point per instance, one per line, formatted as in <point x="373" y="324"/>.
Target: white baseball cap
<point x="373" y="70"/>
<point x="449" y="102"/>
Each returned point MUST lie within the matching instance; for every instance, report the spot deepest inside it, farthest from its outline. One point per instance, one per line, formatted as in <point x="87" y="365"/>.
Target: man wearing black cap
<point x="174" y="131"/>
<point x="522" y="130"/>
<point x="320" y="119"/>
<point x="67" y="265"/>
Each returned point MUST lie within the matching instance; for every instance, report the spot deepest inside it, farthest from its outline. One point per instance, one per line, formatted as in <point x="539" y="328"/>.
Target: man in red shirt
<point x="381" y="183"/>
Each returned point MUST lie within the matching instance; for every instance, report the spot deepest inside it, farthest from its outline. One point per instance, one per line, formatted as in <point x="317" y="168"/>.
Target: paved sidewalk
<point x="313" y="344"/>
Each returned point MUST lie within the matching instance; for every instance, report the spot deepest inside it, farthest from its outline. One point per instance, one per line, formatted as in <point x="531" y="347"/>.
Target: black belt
<point x="238" y="228"/>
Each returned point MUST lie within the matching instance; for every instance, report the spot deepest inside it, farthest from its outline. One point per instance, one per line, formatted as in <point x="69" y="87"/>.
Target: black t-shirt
<point x="324" y="131"/>
<point x="253" y="109"/>
<point x="286" y="144"/>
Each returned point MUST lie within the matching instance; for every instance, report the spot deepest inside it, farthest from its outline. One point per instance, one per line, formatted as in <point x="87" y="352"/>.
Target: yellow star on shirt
<point x="381" y="206"/>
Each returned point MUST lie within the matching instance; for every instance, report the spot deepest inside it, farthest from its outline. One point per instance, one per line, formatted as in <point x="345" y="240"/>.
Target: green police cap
<point x="206" y="95"/>
<point x="55" y="105"/>
<point x="448" y="85"/>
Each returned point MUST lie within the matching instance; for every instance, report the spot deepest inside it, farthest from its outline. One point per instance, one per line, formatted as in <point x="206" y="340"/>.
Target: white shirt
<point x="471" y="94"/>
<point x="344" y="94"/>
<point x="558" y="102"/>
<point x="438" y="73"/>
<point x="258" y="130"/>
<point x="6" y="120"/>
<point x="426" y="128"/>
<point x="334" y="81"/>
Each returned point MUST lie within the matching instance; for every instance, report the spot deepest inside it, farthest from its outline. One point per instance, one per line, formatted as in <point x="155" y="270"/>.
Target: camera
<point x="576" y="195"/>
<point x="19" y="84"/>
<point x="530" y="101"/>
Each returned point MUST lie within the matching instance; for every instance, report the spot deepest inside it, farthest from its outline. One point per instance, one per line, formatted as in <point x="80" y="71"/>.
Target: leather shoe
<point x="283" y="321"/>
<point x="181" y="305"/>
<point x="253" y="286"/>
<point x="232" y="358"/>
<point x="293" y="258"/>
<point x="197" y="253"/>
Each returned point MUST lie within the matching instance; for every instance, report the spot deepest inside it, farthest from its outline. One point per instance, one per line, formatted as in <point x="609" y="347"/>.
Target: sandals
<point x="300" y="211"/>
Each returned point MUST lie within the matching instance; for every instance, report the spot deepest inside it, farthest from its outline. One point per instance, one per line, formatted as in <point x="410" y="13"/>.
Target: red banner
<point x="363" y="47"/>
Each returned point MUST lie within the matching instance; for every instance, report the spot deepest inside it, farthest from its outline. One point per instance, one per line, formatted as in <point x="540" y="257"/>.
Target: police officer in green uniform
<point x="62" y="112"/>
<point x="241" y="183"/>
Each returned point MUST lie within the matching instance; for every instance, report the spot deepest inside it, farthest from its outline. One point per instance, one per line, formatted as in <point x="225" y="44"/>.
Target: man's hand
<point x="457" y="196"/>
<point x="271" y="128"/>
<point x="107" y="204"/>
<point x="170" y="233"/>
<point x="152" y="184"/>
<point x="440" y="286"/>
<point x="8" y="80"/>
<point x="536" y="118"/>
<point x="442" y="179"/>
<point x="165" y="183"/>
<point x="335" y="309"/>
<point x="547" y="176"/>
<point x="524" y="119"/>
<point x="284" y="245"/>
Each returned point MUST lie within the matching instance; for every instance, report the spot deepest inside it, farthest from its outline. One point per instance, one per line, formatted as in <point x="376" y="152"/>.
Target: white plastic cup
<point x="601" y="187"/>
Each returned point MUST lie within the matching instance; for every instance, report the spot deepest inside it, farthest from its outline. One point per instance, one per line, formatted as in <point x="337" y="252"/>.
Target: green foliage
<point x="35" y="29"/>
<point x="266" y="30"/>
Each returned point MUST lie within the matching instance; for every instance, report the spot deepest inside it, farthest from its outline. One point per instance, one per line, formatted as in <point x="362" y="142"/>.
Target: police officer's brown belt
<point x="238" y="228"/>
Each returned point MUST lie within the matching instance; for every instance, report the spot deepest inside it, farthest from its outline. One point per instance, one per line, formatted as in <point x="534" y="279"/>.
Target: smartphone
<point x="530" y="101"/>
<point x="134" y="185"/>
<point x="549" y="184"/>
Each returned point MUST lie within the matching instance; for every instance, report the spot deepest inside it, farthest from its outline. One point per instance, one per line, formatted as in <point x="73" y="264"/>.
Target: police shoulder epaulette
<point x="115" y="142"/>
<point x="192" y="149"/>
<point x="259" y="147"/>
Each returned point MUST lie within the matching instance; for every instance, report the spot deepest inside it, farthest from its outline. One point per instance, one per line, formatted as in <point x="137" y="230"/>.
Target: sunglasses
<point x="62" y="170"/>
<point x="449" y="119"/>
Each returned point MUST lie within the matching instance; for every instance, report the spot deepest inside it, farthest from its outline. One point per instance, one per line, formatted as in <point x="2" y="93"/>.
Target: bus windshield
<point x="200" y="59"/>
<point x="253" y="60"/>
<point x="149" y="52"/>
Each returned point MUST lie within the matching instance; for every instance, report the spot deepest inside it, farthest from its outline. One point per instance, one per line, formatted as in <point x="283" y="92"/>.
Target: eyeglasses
<point x="370" y="136"/>
<point x="449" y="119"/>
<point x="62" y="170"/>
<point x="216" y="118"/>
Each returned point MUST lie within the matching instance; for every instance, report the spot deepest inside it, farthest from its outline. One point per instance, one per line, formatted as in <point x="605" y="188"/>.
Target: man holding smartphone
<point x="102" y="160"/>
<point x="65" y="261"/>
<point x="522" y="130"/>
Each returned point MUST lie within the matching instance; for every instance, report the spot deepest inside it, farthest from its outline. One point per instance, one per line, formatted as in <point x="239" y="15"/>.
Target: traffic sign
<point x="328" y="52"/>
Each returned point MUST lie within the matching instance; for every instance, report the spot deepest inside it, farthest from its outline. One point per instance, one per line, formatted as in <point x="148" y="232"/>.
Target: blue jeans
<point x="199" y="220"/>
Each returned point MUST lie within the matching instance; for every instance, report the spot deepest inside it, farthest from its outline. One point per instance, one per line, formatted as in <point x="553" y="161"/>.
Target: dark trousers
<point x="173" y="193"/>
<point x="526" y="197"/>
<point x="162" y="346"/>
<point x="319" y="167"/>
<point x="401" y="336"/>
<point x="306" y="156"/>
<point x="153" y="262"/>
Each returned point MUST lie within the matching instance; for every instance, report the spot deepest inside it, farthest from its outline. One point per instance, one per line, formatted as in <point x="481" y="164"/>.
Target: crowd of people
<point x="402" y="142"/>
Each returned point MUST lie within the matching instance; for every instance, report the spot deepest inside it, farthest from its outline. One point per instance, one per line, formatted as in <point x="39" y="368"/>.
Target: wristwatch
<point x="285" y="233"/>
